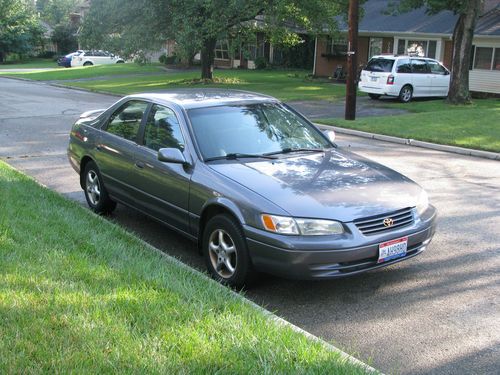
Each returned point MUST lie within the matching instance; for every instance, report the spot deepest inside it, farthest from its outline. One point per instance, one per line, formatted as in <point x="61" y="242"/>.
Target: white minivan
<point x="404" y="76"/>
<point x="88" y="58"/>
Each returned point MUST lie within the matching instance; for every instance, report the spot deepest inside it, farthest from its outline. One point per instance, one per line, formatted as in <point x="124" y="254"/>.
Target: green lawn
<point x="30" y="64"/>
<point x="79" y="294"/>
<point x="59" y="73"/>
<point x="474" y="126"/>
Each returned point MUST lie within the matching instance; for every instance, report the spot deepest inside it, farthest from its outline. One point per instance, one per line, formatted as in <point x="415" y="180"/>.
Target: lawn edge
<point x="413" y="142"/>
<point x="267" y="314"/>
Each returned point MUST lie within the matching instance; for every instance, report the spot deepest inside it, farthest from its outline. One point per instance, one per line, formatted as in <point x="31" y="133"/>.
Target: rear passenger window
<point x="404" y="66"/>
<point x="162" y="129"/>
<point x="125" y="122"/>
<point x="379" y="65"/>
<point x="419" y="66"/>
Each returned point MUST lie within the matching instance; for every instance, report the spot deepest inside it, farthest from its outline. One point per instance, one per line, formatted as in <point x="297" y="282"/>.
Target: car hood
<point x="332" y="185"/>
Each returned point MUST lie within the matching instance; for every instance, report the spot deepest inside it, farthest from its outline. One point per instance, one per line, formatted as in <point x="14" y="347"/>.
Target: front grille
<point x="375" y="224"/>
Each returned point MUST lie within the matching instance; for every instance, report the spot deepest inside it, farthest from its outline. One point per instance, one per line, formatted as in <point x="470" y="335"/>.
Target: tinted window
<point x="419" y="66"/>
<point x="436" y="68"/>
<point x="251" y="129"/>
<point x="125" y="122"/>
<point x="380" y="65"/>
<point x="404" y="66"/>
<point x="162" y="129"/>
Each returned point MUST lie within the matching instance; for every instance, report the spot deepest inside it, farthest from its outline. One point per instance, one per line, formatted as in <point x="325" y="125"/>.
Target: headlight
<point x="299" y="226"/>
<point x="423" y="203"/>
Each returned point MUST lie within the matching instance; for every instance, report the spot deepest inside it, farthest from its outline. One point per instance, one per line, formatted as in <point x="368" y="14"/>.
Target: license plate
<point x="374" y="79"/>
<point x="392" y="249"/>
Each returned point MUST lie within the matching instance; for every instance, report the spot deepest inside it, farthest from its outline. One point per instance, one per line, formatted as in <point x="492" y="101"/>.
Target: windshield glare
<point x="251" y="129"/>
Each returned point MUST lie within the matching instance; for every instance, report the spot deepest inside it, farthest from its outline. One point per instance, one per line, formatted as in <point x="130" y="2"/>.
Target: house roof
<point x="376" y="18"/>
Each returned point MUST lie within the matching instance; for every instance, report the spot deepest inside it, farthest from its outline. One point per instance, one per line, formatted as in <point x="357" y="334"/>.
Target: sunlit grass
<point x="78" y="294"/>
<point x="474" y="126"/>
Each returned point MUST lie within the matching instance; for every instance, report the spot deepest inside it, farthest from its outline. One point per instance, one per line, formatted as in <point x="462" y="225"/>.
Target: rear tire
<point x="95" y="193"/>
<point x="374" y="96"/>
<point x="406" y="94"/>
<point x="87" y="63"/>
<point x="226" y="253"/>
<point x="120" y="62"/>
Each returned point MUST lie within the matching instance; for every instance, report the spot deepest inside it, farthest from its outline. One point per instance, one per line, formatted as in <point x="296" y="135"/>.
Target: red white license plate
<point x="392" y="249"/>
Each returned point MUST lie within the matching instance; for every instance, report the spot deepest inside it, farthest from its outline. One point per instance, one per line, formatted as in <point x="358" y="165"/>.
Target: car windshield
<point x="255" y="129"/>
<point x="380" y="65"/>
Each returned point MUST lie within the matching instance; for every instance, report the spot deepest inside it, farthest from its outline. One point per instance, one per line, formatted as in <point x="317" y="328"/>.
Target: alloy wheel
<point x="93" y="188"/>
<point x="222" y="252"/>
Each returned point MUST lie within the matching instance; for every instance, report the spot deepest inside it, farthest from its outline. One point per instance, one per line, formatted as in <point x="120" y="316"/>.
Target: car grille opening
<point x="386" y="222"/>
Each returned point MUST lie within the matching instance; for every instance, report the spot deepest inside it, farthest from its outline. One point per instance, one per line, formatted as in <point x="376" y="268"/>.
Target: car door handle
<point x="140" y="164"/>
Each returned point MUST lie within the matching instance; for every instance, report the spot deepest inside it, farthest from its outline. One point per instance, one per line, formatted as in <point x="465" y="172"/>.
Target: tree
<point x="56" y="12"/>
<point x="197" y="25"/>
<point x="19" y="27"/>
<point x="463" y="33"/>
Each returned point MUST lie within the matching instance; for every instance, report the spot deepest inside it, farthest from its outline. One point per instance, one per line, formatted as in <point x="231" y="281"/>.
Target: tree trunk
<point x="1" y="56"/>
<point x="207" y="58"/>
<point x="462" y="45"/>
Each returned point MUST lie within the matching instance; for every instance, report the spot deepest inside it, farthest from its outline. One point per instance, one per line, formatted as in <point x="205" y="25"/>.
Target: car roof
<point x="205" y="97"/>
<point x="394" y="57"/>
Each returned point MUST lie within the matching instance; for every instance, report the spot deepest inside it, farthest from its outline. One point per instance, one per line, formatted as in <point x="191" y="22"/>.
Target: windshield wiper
<point x="237" y="155"/>
<point x="298" y="149"/>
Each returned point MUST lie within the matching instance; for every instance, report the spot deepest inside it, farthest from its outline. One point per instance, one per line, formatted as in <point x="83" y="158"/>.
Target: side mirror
<point x="171" y="155"/>
<point x="330" y="134"/>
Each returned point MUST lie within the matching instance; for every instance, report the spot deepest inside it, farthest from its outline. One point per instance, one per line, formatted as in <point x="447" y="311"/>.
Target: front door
<point x="421" y="77"/>
<point x="440" y="81"/>
<point x="164" y="187"/>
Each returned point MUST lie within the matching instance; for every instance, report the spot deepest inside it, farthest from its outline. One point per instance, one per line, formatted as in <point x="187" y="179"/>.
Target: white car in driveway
<point x="88" y="58"/>
<point x="405" y="77"/>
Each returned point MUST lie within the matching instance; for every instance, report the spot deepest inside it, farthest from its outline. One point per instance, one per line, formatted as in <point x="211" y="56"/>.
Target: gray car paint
<point x="335" y="184"/>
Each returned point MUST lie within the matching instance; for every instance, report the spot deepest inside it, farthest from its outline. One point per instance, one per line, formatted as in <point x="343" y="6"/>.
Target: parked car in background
<point x="256" y="184"/>
<point x="88" y="58"/>
<point x="65" y="61"/>
<point x="405" y="77"/>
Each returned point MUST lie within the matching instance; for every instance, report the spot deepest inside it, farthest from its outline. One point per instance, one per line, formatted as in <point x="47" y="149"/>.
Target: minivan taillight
<point x="390" y="80"/>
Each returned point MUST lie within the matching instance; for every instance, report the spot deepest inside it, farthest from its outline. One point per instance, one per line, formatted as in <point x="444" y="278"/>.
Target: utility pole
<point x="352" y="61"/>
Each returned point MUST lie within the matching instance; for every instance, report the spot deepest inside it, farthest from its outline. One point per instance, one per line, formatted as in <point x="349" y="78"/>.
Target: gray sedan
<point x="254" y="183"/>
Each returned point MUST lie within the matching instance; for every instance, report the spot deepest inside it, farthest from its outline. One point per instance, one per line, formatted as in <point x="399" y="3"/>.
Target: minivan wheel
<point x="406" y="94"/>
<point x="225" y="252"/>
<point x="95" y="193"/>
<point x="374" y="96"/>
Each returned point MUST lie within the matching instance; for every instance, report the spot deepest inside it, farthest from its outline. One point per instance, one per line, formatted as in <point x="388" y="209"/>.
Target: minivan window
<point x="404" y="66"/>
<point x="380" y="65"/>
<point x="419" y="66"/>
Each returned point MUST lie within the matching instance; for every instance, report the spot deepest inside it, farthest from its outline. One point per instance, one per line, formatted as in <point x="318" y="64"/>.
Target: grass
<point x="79" y="294"/>
<point x="58" y="73"/>
<point x="30" y="64"/>
<point x="475" y="126"/>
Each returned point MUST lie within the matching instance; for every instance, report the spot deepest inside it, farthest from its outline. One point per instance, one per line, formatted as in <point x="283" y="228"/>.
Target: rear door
<point x="116" y="146"/>
<point x="440" y="78"/>
<point x="163" y="187"/>
<point x="421" y="78"/>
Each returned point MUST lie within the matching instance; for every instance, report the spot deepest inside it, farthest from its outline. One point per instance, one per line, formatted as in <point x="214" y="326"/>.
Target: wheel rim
<point x="93" y="188"/>
<point x="222" y="252"/>
<point x="406" y="94"/>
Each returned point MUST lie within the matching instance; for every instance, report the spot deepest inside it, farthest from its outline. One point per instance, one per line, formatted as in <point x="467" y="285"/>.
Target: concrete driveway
<point x="436" y="314"/>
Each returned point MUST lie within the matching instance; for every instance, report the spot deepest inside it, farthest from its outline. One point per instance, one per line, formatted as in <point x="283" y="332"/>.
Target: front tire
<point x="406" y="94"/>
<point x="95" y="193"/>
<point x="226" y="253"/>
<point x="87" y="63"/>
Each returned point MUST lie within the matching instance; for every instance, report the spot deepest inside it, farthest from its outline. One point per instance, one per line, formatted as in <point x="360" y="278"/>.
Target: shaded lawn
<point x="30" y="64"/>
<point x="59" y="73"/>
<point x="474" y="126"/>
<point x="79" y="294"/>
<point x="285" y="85"/>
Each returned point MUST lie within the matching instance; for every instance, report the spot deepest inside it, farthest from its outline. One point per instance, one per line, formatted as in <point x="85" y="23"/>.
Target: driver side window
<point x="125" y="122"/>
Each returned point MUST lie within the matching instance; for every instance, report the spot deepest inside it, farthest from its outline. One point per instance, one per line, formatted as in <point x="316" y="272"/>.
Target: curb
<point x="415" y="143"/>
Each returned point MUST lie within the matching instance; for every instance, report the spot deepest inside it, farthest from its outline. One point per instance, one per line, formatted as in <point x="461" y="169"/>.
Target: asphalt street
<point x="438" y="313"/>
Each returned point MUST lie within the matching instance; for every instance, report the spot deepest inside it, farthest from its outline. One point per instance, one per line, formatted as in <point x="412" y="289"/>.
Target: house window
<point x="222" y="50"/>
<point x="336" y="47"/>
<point x="375" y="47"/>
<point x="483" y="58"/>
<point x="419" y="48"/>
<point x="496" y="60"/>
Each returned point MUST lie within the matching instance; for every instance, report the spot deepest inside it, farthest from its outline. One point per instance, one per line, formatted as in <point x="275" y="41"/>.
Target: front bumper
<point x="327" y="259"/>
